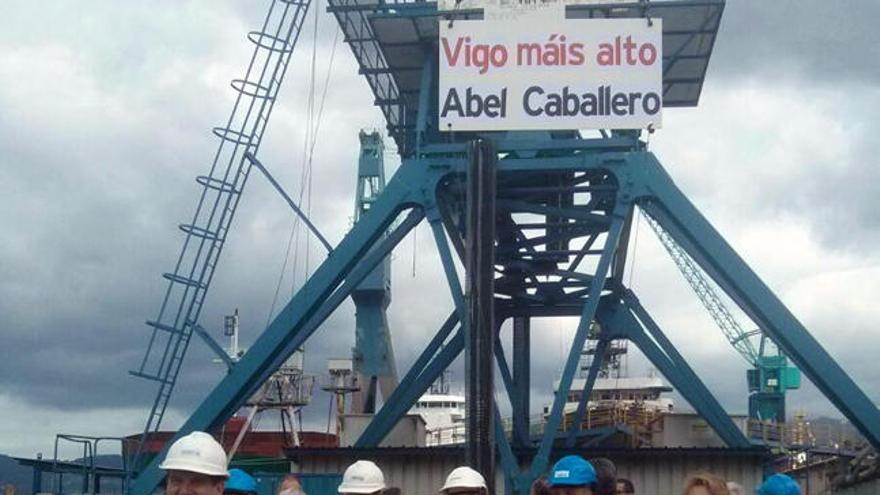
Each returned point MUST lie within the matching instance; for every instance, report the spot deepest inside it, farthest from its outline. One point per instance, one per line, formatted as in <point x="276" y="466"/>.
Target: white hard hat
<point x="362" y="477"/>
<point x="464" y="477"/>
<point x="197" y="452"/>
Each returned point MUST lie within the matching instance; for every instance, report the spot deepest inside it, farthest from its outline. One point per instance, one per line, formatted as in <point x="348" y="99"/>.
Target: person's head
<point x="606" y="476"/>
<point x="779" y="484"/>
<point x="572" y="475"/>
<point x="624" y="487"/>
<point x="290" y="485"/>
<point x="464" y="481"/>
<point x="195" y="465"/>
<point x="240" y="483"/>
<point x="362" y="478"/>
<point x="705" y="484"/>
<point x="540" y="487"/>
<point x="735" y="488"/>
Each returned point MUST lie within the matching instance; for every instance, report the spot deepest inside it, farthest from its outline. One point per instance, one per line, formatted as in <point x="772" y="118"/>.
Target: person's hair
<point x="572" y="489"/>
<point x="540" y="487"/>
<point x="711" y="482"/>
<point x="627" y="485"/>
<point x="735" y="488"/>
<point x="214" y="479"/>
<point x="290" y="483"/>
<point x="606" y="476"/>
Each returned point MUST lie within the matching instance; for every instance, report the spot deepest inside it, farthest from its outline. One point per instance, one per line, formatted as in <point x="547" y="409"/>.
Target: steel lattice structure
<point x="564" y="210"/>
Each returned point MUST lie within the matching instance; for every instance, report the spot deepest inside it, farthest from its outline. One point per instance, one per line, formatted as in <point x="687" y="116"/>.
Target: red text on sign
<point x="626" y="51"/>
<point x="554" y="52"/>
<point x="481" y="55"/>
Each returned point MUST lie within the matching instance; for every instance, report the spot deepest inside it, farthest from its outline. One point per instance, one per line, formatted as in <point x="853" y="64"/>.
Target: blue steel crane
<point x="220" y="193"/>
<point x="373" y="352"/>
<point x="771" y="376"/>
<point x="563" y="204"/>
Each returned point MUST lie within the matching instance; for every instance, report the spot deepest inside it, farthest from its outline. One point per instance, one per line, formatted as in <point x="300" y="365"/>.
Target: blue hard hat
<point x="240" y="482"/>
<point x="779" y="484"/>
<point x="572" y="470"/>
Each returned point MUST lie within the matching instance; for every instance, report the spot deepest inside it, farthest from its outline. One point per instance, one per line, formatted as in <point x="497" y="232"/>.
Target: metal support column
<point x="480" y="327"/>
<point x="521" y="380"/>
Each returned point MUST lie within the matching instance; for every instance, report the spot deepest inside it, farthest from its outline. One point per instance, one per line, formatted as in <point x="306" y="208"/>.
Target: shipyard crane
<point x="220" y="191"/>
<point x="771" y="376"/>
<point x="374" y="363"/>
<point x="481" y="193"/>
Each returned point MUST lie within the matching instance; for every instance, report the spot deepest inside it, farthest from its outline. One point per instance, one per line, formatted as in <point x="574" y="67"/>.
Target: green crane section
<point x="771" y="376"/>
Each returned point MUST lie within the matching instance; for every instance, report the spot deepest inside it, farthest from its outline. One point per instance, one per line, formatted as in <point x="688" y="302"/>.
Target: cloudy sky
<point x="105" y="111"/>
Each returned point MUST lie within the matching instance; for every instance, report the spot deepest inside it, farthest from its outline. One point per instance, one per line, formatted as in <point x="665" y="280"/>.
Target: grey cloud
<point x="96" y="188"/>
<point x="825" y="53"/>
<point x="813" y="42"/>
<point x="778" y="150"/>
<point x="845" y="199"/>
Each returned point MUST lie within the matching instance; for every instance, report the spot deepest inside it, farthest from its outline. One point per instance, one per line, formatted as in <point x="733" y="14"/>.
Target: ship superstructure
<point x="443" y="411"/>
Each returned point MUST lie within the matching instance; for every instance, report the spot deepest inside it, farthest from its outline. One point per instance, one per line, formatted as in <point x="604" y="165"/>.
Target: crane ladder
<point x="221" y="191"/>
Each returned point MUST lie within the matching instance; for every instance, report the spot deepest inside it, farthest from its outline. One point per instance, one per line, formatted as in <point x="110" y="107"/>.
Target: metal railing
<point x="639" y="420"/>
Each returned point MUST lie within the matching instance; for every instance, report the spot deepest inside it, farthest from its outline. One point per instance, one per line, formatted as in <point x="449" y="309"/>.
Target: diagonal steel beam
<point x="504" y="371"/>
<point x="448" y="265"/>
<point x="290" y="202"/>
<point x="678" y="216"/>
<point x="214" y="346"/>
<point x="508" y="460"/>
<point x="352" y="281"/>
<point x="542" y="457"/>
<point x="291" y="326"/>
<point x="579" y="213"/>
<point x="598" y="357"/>
<point x="622" y="251"/>
<point x="405" y="395"/>
<point x="674" y="367"/>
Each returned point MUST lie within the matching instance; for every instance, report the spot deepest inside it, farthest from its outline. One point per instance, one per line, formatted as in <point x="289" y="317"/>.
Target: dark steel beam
<point x="480" y="329"/>
<point x="521" y="380"/>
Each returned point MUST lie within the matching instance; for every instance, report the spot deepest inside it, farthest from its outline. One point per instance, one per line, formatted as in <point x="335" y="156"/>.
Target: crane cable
<point x="309" y="140"/>
<point x="313" y="124"/>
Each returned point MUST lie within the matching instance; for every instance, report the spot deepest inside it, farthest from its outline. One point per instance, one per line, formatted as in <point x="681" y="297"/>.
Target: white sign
<point x="548" y="72"/>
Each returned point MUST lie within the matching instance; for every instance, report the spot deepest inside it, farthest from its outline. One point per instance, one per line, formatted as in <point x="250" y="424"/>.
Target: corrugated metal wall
<point x="660" y="474"/>
<point x="666" y="474"/>
<point x="414" y="476"/>
<point x="868" y="488"/>
<point x="313" y="484"/>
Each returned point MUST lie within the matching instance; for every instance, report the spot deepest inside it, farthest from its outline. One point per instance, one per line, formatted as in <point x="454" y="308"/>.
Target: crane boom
<point x="770" y="375"/>
<point x="738" y="338"/>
